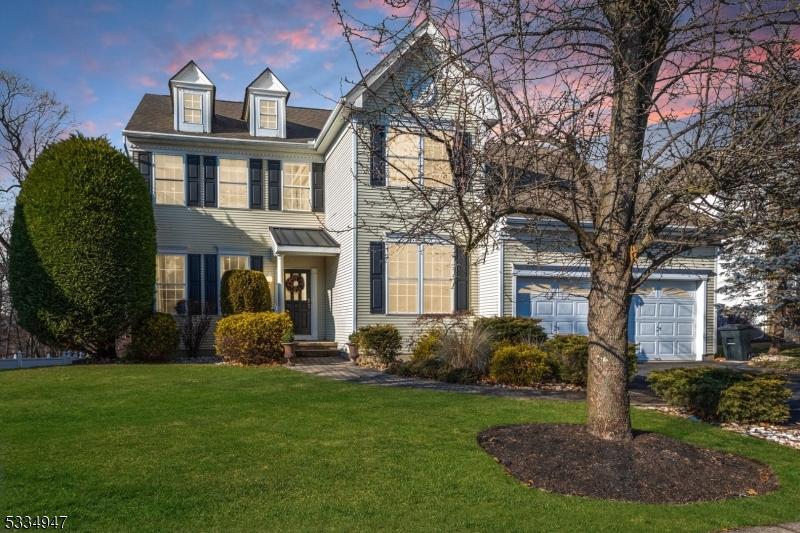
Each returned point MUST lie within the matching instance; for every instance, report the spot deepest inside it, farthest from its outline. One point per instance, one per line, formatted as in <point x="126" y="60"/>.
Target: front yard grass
<point x="167" y="447"/>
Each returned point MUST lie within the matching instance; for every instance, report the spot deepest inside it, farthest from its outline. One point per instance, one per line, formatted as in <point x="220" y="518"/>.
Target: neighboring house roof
<point x="154" y="115"/>
<point x="302" y="237"/>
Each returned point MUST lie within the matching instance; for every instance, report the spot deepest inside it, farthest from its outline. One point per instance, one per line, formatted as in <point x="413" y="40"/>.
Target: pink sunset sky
<point x="101" y="56"/>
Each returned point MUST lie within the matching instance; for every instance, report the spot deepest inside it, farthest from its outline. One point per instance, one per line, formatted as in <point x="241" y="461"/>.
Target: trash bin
<point x="735" y="340"/>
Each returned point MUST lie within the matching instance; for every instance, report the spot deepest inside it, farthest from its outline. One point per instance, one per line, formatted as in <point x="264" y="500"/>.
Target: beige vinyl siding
<point x="487" y="265"/>
<point x="518" y="252"/>
<point x="206" y="230"/>
<point x="339" y="210"/>
<point x="374" y="221"/>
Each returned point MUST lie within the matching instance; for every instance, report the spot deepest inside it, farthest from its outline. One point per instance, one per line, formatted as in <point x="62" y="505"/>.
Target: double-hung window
<point x="410" y="155"/>
<point x="435" y="161"/>
<point x="233" y="183"/>
<point x="437" y="278"/>
<point x="419" y="278"/>
<point x="268" y="114"/>
<point x="403" y="278"/>
<point x="296" y="186"/>
<point x="402" y="157"/>
<point x="192" y="108"/>
<point x="170" y="283"/>
<point x="169" y="179"/>
<point x="233" y="262"/>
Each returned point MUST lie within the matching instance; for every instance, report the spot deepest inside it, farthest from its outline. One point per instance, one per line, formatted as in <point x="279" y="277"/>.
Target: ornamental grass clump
<point x="252" y="338"/>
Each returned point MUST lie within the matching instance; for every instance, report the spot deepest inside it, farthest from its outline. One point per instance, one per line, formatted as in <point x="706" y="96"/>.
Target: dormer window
<point x="265" y="106"/>
<point x="192" y="108"/>
<point x="268" y="114"/>
<point x="192" y="99"/>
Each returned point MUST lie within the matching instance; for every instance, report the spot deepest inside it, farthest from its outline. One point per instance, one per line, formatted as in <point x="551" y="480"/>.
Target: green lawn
<point x="210" y="448"/>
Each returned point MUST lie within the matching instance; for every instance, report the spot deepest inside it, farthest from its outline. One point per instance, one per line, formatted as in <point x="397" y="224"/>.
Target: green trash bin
<point x="735" y="339"/>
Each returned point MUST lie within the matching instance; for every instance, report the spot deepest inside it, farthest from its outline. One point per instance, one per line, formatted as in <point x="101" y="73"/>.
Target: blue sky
<point x="101" y="56"/>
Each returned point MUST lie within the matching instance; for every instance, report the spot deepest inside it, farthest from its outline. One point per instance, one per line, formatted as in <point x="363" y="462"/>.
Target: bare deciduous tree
<point x="619" y="120"/>
<point x="30" y="120"/>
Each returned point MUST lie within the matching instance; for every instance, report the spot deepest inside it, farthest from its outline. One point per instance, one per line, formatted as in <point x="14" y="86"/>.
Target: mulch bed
<point x="652" y="468"/>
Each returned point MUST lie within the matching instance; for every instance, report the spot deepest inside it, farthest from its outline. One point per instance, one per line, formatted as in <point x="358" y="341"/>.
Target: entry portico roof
<point x="303" y="241"/>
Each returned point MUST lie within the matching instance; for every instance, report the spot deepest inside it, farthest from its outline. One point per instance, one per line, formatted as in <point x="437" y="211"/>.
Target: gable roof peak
<point x="191" y="73"/>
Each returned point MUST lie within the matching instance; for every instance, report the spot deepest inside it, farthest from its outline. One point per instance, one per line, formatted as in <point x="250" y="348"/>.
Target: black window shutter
<point x="461" y="280"/>
<point x="257" y="263"/>
<point x="377" y="277"/>
<point x="193" y="180"/>
<point x="318" y="187"/>
<point x="142" y="160"/>
<point x="210" y="181"/>
<point x="377" y="169"/>
<point x="195" y="284"/>
<point x="256" y="184"/>
<point x="274" y="184"/>
<point x="463" y="160"/>
<point x="211" y="284"/>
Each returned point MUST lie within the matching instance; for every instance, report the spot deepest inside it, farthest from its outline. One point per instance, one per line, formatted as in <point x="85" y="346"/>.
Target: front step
<point x="316" y="349"/>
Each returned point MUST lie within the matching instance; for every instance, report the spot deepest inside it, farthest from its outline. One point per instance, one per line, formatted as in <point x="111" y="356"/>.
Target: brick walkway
<point x="343" y="370"/>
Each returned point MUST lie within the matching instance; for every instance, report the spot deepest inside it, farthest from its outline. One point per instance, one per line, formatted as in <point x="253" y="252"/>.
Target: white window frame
<point x="204" y="103"/>
<point x="420" y="279"/>
<point x="279" y="118"/>
<point x="219" y="182"/>
<point x="283" y="185"/>
<point x="154" y="176"/>
<point x="199" y="96"/>
<point x="185" y="278"/>
<point x="419" y="177"/>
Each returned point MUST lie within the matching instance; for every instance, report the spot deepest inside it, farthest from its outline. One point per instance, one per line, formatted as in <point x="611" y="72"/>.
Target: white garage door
<point x="662" y="319"/>
<point x="561" y="306"/>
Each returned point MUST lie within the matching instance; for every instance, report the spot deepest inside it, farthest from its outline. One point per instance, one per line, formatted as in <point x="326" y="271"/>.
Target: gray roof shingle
<point x="154" y="115"/>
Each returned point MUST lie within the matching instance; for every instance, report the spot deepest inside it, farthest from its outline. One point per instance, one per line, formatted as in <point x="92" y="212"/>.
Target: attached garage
<point x="666" y="319"/>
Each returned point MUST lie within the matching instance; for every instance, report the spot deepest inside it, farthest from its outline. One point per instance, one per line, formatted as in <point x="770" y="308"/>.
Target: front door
<point x="297" y="298"/>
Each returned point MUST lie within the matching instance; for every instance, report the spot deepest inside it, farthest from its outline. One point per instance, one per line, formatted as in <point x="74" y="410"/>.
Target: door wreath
<point x="295" y="283"/>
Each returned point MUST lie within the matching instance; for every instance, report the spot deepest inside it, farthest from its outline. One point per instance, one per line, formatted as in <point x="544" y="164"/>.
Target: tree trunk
<point x="607" y="400"/>
<point x="106" y="350"/>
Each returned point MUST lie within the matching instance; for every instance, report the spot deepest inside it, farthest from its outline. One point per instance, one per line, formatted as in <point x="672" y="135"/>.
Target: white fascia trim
<point x="307" y="146"/>
<point x="328" y="127"/>
<point x="700" y="319"/>
<point x="687" y="274"/>
<point x="502" y="260"/>
<point x="306" y="250"/>
<point x="223" y="250"/>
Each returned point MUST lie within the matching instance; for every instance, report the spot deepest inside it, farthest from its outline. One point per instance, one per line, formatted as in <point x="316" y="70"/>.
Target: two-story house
<point x="298" y="194"/>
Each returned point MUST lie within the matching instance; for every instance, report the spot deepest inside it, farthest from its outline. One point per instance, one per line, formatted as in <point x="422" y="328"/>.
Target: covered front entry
<point x="665" y="319"/>
<point x="300" y="275"/>
<point x="297" y="292"/>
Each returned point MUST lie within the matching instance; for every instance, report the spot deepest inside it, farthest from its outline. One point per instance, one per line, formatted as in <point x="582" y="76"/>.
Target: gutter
<point x="198" y="138"/>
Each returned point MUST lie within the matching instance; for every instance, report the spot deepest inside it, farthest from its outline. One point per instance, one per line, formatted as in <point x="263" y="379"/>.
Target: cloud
<point x="205" y="50"/>
<point x="303" y="39"/>
<point x="89" y="126"/>
<point x="109" y="39"/>
<point x="87" y="94"/>
<point x="147" y="81"/>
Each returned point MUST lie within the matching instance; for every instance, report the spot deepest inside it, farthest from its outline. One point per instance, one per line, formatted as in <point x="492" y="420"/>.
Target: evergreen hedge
<point x="244" y="291"/>
<point x="82" y="256"/>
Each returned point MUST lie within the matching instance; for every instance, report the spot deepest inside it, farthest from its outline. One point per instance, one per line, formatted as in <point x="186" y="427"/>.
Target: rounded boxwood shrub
<point x="83" y="246"/>
<point x="763" y="399"/>
<point x="571" y="352"/>
<point x="244" y="291"/>
<point x="696" y="389"/>
<point x="155" y="338"/>
<point x="381" y="341"/>
<point x="428" y="345"/>
<point x="512" y="330"/>
<point x="252" y="338"/>
<point x="521" y="364"/>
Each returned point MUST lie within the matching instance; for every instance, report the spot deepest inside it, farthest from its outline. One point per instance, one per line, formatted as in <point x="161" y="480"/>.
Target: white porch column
<point x="279" y="283"/>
